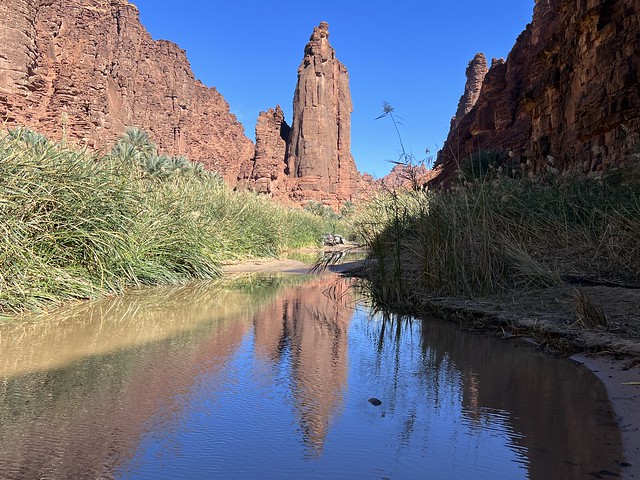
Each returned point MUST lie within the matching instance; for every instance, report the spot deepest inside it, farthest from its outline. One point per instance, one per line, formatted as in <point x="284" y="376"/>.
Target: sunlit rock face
<point x="319" y="148"/>
<point x="89" y="67"/>
<point x="567" y="95"/>
<point x="316" y="163"/>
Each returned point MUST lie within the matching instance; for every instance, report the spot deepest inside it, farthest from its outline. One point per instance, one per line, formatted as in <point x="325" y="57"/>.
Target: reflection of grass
<point x="262" y="285"/>
<point x="140" y="316"/>
<point x="337" y="257"/>
<point x="320" y="259"/>
<point x="95" y="351"/>
<point x="301" y="256"/>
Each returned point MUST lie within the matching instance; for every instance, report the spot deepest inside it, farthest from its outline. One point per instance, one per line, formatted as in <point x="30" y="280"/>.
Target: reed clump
<point x="496" y="234"/>
<point x="588" y="315"/>
<point x="76" y="225"/>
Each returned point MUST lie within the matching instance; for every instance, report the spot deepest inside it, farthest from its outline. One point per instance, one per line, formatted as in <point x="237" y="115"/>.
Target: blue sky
<point x="412" y="54"/>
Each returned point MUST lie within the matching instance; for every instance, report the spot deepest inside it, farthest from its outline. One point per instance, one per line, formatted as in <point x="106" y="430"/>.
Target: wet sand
<point x="625" y="399"/>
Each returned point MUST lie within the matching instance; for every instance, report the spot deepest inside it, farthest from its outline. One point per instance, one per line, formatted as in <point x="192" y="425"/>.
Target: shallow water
<point x="269" y="377"/>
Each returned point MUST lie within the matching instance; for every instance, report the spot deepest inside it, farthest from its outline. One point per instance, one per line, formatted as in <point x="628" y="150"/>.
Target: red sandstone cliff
<point x="318" y="154"/>
<point x="91" y="65"/>
<point x="311" y="160"/>
<point x="88" y="67"/>
<point x="568" y="95"/>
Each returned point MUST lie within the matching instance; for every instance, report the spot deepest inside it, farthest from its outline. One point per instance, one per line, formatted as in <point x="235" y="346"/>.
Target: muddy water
<point x="269" y="377"/>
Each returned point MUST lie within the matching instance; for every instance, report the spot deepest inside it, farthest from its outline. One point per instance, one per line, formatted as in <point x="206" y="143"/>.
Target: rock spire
<point x="476" y="71"/>
<point x="311" y="160"/>
<point x="319" y="145"/>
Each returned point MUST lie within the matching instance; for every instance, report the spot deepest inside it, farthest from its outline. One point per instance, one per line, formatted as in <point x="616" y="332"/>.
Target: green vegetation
<point x="74" y="225"/>
<point x="322" y="210"/>
<point x="497" y="233"/>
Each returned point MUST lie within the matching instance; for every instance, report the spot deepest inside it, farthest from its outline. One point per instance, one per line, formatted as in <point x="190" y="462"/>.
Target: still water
<point x="270" y="376"/>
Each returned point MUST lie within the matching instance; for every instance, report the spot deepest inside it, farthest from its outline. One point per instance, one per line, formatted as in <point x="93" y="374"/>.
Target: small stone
<point x="374" y="401"/>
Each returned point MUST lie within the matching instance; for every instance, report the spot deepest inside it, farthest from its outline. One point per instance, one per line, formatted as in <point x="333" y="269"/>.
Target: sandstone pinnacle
<point x="318" y="153"/>
<point x="476" y="71"/>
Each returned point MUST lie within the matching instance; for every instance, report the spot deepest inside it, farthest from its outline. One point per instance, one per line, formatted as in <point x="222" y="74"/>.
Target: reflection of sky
<point x="244" y="422"/>
<point x="271" y="379"/>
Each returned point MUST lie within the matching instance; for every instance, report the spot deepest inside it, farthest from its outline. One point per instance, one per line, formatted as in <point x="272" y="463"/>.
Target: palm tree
<point x="141" y="141"/>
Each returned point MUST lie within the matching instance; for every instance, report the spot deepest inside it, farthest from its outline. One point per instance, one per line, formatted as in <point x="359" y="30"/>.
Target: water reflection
<point x="308" y="326"/>
<point x="555" y="414"/>
<point x="268" y="377"/>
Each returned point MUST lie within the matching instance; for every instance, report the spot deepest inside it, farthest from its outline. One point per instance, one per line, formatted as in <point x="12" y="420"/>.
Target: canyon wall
<point x="568" y="95"/>
<point x="90" y="68"/>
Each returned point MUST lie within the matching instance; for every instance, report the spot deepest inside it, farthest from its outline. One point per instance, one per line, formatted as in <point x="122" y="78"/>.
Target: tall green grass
<point x="74" y="225"/>
<point x="499" y="234"/>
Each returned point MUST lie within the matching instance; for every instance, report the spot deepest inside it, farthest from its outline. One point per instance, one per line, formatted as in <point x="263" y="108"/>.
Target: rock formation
<point x="406" y="176"/>
<point x="568" y="94"/>
<point x="90" y="67"/>
<point x="318" y="154"/>
<point x="268" y="173"/>
<point x="316" y="163"/>
<point x="476" y="71"/>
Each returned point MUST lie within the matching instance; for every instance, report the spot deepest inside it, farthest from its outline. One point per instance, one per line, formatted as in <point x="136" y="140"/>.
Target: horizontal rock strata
<point x="90" y="68"/>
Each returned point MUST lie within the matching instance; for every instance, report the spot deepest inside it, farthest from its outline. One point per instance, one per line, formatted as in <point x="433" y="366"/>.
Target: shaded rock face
<point x="568" y="94"/>
<point x="476" y="71"/>
<point x="268" y="170"/>
<point x="90" y="66"/>
<point x="318" y="154"/>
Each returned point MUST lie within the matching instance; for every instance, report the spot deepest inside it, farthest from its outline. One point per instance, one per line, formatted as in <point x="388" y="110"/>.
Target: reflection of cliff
<point x="552" y="416"/>
<point x="308" y="326"/>
<point x="563" y="417"/>
<point x="78" y="389"/>
<point x="178" y="380"/>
